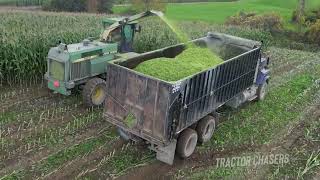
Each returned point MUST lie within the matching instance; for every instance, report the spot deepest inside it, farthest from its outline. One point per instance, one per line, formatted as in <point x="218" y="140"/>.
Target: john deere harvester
<point x="84" y="64"/>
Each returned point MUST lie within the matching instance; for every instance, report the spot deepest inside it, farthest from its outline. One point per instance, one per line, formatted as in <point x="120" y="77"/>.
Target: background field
<point x="217" y="12"/>
<point x="21" y="2"/>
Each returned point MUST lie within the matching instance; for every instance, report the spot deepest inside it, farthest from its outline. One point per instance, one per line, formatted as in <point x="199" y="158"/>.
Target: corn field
<point x="27" y="38"/>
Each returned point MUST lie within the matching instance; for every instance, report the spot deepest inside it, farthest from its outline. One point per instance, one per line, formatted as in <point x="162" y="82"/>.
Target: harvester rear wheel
<point x="206" y="128"/>
<point x="94" y="92"/>
<point x="187" y="143"/>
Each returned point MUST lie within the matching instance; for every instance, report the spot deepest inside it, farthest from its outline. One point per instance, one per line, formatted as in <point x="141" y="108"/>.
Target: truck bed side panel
<point x="146" y="99"/>
<point x="208" y="90"/>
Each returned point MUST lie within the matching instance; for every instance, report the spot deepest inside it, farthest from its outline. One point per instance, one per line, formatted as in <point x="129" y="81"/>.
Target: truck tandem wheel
<point x="206" y="128"/>
<point x="187" y="143"/>
<point x="94" y="92"/>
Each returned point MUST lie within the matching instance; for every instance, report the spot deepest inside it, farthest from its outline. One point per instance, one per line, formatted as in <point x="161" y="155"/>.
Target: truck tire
<point x="94" y="92"/>
<point x="206" y="128"/>
<point x="187" y="143"/>
<point x="262" y="91"/>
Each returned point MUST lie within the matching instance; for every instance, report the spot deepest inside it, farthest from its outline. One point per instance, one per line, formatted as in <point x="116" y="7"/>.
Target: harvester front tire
<point x="94" y="92"/>
<point x="205" y="129"/>
<point x="187" y="143"/>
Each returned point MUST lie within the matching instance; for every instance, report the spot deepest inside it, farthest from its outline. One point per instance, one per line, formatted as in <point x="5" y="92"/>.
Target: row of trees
<point x="142" y="5"/>
<point x="309" y="20"/>
<point x="101" y="6"/>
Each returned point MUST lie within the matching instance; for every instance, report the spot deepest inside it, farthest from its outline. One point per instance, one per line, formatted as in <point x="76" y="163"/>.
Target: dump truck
<point x="83" y="65"/>
<point x="173" y="117"/>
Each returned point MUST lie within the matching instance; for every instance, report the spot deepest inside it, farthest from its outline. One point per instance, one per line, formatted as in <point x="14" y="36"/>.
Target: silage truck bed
<point x="175" y="116"/>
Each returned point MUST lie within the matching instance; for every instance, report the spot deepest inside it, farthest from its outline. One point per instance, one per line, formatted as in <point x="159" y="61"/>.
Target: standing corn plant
<point x="27" y="37"/>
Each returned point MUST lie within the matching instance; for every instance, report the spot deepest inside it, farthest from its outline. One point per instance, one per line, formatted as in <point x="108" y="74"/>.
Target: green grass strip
<point x="259" y="122"/>
<point x="277" y="112"/>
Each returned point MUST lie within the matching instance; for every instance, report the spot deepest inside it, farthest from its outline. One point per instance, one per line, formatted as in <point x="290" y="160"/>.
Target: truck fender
<point x="166" y="154"/>
<point x="263" y="76"/>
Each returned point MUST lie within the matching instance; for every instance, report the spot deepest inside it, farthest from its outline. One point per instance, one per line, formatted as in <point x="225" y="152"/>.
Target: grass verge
<point x="284" y="109"/>
<point x="257" y="124"/>
<point x="217" y="12"/>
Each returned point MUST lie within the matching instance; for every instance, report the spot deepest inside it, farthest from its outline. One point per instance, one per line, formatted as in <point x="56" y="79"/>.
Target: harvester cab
<point x="122" y="35"/>
<point x="122" y="30"/>
<point x="84" y="64"/>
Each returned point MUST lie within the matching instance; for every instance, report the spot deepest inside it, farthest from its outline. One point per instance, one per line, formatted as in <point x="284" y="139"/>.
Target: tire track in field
<point x="21" y="146"/>
<point x="47" y="104"/>
<point x="80" y="166"/>
<point x="39" y="118"/>
<point x="16" y="133"/>
<point x="45" y="168"/>
<point x="288" y="75"/>
<point x="283" y="60"/>
<point x="39" y="102"/>
<point x="27" y="161"/>
<point x="200" y="159"/>
<point x="15" y="98"/>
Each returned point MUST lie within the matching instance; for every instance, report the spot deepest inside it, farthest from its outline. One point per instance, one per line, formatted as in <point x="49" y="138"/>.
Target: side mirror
<point x="138" y="28"/>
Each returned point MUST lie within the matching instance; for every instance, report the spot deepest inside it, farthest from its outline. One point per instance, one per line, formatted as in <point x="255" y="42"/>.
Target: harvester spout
<point x="122" y="22"/>
<point x="158" y="13"/>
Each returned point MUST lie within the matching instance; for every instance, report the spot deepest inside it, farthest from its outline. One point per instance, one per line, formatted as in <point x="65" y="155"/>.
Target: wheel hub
<point x="98" y="95"/>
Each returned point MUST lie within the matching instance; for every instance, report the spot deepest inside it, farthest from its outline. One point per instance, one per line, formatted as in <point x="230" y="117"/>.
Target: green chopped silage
<point x="189" y="62"/>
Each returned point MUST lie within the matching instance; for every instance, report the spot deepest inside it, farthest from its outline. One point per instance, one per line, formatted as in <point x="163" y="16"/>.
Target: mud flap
<point x="166" y="154"/>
